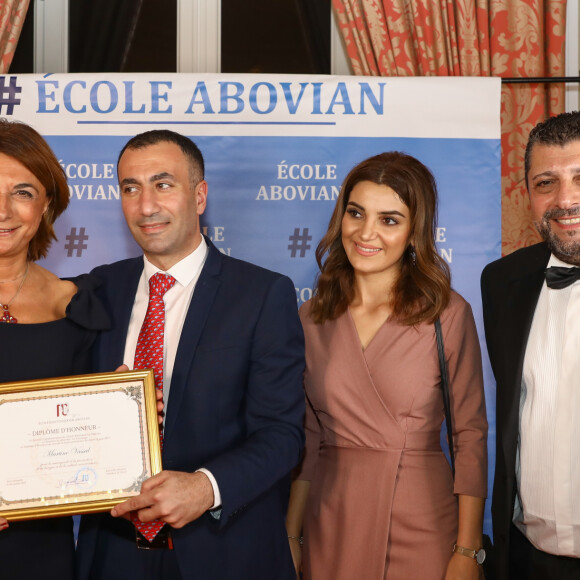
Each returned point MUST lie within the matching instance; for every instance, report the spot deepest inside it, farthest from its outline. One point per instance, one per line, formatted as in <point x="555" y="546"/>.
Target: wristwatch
<point x="477" y="555"/>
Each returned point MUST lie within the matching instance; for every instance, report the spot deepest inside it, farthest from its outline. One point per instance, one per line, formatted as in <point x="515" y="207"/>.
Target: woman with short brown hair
<point x="47" y="325"/>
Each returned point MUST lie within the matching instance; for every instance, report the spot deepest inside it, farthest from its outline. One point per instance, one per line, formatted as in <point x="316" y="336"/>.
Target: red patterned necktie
<point x="149" y="355"/>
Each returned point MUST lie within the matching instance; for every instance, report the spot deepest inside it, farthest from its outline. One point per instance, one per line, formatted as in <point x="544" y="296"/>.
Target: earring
<point x="412" y="255"/>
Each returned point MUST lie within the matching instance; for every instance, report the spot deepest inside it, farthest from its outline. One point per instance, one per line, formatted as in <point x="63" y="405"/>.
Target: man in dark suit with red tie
<point x="531" y="307"/>
<point x="230" y="365"/>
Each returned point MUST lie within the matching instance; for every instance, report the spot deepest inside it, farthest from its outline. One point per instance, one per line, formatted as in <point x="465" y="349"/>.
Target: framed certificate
<point x="76" y="444"/>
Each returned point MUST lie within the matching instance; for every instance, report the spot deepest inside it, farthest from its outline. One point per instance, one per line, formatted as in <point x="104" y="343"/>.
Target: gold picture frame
<point x="76" y="444"/>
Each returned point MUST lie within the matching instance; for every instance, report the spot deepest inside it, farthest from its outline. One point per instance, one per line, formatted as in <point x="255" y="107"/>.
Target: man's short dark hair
<point x="559" y="130"/>
<point x="187" y="146"/>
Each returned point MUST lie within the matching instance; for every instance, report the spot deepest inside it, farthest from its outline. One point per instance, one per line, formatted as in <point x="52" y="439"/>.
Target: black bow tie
<point x="558" y="278"/>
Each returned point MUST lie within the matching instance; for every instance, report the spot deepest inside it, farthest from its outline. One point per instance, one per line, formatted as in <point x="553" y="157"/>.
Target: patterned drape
<point x="519" y="38"/>
<point x="12" y="15"/>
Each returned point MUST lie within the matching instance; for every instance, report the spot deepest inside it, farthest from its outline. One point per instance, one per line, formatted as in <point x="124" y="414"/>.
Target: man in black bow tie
<point x="531" y="308"/>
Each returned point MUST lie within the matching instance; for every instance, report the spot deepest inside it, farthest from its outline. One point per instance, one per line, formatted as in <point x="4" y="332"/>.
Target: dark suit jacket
<point x="235" y="407"/>
<point x="510" y="289"/>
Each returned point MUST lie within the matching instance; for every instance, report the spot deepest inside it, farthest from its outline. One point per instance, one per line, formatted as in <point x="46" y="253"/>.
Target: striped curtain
<point x="519" y="38"/>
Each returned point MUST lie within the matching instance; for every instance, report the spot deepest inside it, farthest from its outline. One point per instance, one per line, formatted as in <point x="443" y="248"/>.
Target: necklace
<point x="6" y="316"/>
<point x="17" y="277"/>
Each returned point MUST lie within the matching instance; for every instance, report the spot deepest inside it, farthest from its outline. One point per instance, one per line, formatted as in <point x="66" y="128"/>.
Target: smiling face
<point x="22" y="202"/>
<point x="376" y="229"/>
<point x="554" y="187"/>
<point x="162" y="202"/>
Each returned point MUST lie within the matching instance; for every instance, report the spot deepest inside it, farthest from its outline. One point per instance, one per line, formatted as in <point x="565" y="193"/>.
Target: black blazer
<point x="510" y="288"/>
<point x="235" y="406"/>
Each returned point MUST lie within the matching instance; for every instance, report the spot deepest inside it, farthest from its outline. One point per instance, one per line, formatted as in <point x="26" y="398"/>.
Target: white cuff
<point x="216" y="490"/>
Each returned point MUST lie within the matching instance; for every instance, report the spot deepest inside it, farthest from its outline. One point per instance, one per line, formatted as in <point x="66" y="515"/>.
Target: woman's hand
<point x="470" y="524"/>
<point x="296" y="550"/>
<point x="298" y="496"/>
<point x="463" y="568"/>
<point x="3" y="524"/>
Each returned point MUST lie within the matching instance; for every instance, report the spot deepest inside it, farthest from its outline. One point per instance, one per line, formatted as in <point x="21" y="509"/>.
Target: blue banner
<point x="276" y="148"/>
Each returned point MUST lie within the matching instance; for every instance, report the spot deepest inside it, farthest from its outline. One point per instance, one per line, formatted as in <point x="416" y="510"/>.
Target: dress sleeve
<point x="305" y="470"/>
<point x="312" y="430"/>
<point x="85" y="307"/>
<point x="467" y="398"/>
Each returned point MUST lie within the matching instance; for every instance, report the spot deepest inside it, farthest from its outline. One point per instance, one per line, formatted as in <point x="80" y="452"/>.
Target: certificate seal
<point x="86" y="477"/>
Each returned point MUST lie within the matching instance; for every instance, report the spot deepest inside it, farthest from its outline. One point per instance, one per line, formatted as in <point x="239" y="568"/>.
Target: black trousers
<point x="529" y="563"/>
<point x="118" y="558"/>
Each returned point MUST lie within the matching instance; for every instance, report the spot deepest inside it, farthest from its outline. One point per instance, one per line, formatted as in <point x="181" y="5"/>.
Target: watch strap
<point x="477" y="555"/>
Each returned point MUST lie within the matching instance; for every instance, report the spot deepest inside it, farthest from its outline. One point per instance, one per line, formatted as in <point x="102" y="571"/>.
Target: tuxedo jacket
<point x="510" y="289"/>
<point x="235" y="407"/>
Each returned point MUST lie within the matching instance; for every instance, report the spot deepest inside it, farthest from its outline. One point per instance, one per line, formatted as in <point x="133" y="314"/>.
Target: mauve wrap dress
<point x="382" y="503"/>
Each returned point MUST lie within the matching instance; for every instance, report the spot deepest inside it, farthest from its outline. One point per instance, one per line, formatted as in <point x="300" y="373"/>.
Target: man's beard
<point x="566" y="250"/>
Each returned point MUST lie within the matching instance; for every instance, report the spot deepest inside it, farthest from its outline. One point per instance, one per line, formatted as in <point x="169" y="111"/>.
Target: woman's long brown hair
<point x="422" y="290"/>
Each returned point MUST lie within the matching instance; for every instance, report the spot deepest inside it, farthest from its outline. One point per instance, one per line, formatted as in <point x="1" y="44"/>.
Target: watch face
<point x="480" y="556"/>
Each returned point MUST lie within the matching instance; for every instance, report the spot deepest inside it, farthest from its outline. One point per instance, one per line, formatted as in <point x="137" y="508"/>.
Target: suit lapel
<point x="522" y="293"/>
<point x="195" y="320"/>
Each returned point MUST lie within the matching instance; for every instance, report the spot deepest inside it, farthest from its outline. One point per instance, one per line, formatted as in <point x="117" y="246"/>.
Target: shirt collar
<point x="553" y="261"/>
<point x="186" y="270"/>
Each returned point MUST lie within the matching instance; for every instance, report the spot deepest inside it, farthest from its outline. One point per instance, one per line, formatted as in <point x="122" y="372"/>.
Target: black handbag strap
<point x="445" y="391"/>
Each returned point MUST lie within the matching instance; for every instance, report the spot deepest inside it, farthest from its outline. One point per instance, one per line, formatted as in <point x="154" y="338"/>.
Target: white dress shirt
<point x="548" y="467"/>
<point x="177" y="300"/>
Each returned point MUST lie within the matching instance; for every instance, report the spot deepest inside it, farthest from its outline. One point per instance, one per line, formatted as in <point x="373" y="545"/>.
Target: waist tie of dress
<point x="415" y="440"/>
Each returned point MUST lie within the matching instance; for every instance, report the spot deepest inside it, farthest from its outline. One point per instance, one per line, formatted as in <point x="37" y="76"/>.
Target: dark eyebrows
<point x="546" y="173"/>
<point x="152" y="179"/>
<point x="159" y="176"/>
<point x="550" y="173"/>
<point x="128" y="181"/>
<point x="387" y="213"/>
<point x="24" y="185"/>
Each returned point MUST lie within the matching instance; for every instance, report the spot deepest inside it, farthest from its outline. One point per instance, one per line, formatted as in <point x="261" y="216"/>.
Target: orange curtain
<point x="527" y="41"/>
<point x="520" y="38"/>
<point x="12" y="14"/>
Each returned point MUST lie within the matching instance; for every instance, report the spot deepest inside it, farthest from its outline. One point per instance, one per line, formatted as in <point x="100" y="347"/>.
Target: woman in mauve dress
<point x="375" y="497"/>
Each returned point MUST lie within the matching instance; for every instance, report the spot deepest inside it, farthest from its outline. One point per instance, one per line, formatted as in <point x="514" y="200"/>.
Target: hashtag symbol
<point x="8" y="95"/>
<point x="76" y="242"/>
<point x="299" y="242"/>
